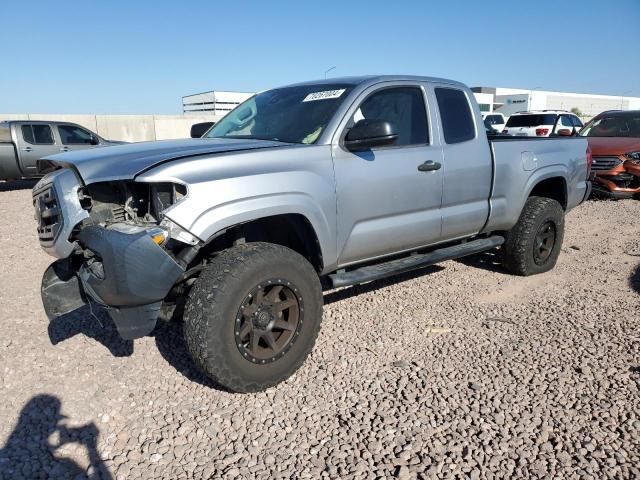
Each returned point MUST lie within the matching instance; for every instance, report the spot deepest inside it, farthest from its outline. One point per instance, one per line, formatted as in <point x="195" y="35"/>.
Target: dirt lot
<point x="461" y="370"/>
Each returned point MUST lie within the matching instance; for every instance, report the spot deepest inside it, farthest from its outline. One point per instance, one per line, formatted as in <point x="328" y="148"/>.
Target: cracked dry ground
<point x="458" y="371"/>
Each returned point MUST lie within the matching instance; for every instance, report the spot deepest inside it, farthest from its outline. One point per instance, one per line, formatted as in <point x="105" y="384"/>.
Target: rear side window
<point x="577" y="122"/>
<point x="37" y="134"/>
<point x="566" y="121"/>
<point x="404" y="108"/>
<point x="72" y="135"/>
<point x="455" y="112"/>
<point x="533" y="120"/>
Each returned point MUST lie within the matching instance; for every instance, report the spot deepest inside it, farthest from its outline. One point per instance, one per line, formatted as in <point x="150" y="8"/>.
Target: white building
<point x="213" y="103"/>
<point x="485" y="101"/>
<point x="511" y="100"/>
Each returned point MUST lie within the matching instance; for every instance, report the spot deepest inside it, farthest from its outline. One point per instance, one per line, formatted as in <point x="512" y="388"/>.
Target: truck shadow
<point x="17" y="185"/>
<point x="348" y="292"/>
<point x="634" y="281"/>
<point x="489" y="260"/>
<point x="33" y="449"/>
<point x="96" y="324"/>
<point x="171" y="345"/>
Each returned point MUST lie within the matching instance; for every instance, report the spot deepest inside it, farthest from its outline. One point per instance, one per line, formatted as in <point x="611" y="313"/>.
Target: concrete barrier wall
<point x="127" y="128"/>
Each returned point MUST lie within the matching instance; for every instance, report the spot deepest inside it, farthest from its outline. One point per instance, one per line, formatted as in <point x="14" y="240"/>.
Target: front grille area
<point x="605" y="163"/>
<point x="48" y="214"/>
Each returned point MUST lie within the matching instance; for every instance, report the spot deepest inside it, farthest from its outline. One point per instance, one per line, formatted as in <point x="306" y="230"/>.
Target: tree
<point x="576" y="111"/>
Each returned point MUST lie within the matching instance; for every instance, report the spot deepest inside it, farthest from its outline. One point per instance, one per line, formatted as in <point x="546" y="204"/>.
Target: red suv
<point x="614" y="138"/>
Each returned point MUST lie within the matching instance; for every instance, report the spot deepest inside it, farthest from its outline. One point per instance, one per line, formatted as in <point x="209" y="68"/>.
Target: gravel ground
<point x="460" y="371"/>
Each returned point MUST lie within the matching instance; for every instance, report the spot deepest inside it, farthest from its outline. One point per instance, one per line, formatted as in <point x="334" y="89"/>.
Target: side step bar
<point x="413" y="262"/>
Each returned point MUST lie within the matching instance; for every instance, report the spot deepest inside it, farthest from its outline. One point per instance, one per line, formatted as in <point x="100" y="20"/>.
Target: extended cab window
<point x="455" y="112"/>
<point x="37" y="134"/>
<point x="72" y="135"/>
<point x="403" y="108"/>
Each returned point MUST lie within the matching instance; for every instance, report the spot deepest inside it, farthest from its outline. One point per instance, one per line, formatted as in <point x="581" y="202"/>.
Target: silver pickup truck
<point x="308" y="187"/>
<point x="23" y="142"/>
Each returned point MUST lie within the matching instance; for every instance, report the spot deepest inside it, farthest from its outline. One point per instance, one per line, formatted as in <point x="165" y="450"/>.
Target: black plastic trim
<point x="413" y="262"/>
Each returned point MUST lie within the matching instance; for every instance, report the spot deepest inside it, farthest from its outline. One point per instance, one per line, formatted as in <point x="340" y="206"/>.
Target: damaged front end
<point x="617" y="177"/>
<point x="115" y="247"/>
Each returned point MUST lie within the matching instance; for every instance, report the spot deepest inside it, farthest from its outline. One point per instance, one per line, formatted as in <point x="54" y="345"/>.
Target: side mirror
<point x="95" y="140"/>
<point x="370" y="133"/>
<point x="199" y="129"/>
<point x="564" y="132"/>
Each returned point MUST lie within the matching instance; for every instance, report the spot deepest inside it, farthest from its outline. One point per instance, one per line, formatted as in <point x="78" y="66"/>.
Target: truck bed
<point x="525" y="161"/>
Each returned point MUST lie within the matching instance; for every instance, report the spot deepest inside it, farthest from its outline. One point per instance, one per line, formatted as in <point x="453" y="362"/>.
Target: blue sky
<point x="143" y="56"/>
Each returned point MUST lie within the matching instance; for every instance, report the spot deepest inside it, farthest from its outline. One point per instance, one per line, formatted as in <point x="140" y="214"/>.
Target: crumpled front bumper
<point x="620" y="182"/>
<point x="129" y="274"/>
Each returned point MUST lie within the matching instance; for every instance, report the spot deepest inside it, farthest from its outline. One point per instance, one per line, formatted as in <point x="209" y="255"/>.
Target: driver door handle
<point x="429" y="166"/>
<point x="28" y="149"/>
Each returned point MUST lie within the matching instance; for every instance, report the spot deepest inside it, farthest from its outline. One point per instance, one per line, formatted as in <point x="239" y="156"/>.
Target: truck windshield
<point x="613" y="126"/>
<point x="291" y="114"/>
<point x="531" y="120"/>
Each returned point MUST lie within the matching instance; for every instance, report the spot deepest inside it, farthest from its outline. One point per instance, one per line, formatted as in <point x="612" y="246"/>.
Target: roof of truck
<point x="357" y="80"/>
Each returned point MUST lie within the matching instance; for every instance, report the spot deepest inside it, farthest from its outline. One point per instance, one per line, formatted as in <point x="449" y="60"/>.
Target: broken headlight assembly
<point x="633" y="157"/>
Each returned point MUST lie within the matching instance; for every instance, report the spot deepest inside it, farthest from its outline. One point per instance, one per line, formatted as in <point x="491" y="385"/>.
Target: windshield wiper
<point x="253" y="137"/>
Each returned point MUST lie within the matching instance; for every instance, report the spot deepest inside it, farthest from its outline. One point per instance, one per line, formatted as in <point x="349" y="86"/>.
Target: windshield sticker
<point x="326" y="95"/>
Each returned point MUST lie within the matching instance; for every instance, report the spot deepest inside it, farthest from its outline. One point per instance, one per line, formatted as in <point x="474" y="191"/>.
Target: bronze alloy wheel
<point x="544" y="242"/>
<point x="269" y="321"/>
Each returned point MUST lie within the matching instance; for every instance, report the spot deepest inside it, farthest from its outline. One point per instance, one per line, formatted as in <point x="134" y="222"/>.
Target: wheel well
<point x="555" y="188"/>
<point x="293" y="231"/>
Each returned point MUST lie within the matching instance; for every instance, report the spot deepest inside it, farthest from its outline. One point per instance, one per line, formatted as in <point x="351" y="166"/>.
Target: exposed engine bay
<point x="128" y="202"/>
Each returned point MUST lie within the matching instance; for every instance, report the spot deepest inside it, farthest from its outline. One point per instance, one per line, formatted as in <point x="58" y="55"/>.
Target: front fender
<point x="220" y="217"/>
<point x="226" y="190"/>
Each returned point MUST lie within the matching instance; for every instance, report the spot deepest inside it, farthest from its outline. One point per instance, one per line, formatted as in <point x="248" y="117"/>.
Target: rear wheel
<point x="533" y="244"/>
<point x="252" y="317"/>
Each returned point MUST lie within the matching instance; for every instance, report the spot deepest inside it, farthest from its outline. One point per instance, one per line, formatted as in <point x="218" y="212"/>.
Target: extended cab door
<point x="74" y="137"/>
<point x="34" y="141"/>
<point x="467" y="165"/>
<point x="385" y="203"/>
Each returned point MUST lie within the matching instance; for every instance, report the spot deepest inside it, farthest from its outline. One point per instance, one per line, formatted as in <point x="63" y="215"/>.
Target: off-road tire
<point x="216" y="297"/>
<point x="518" y="255"/>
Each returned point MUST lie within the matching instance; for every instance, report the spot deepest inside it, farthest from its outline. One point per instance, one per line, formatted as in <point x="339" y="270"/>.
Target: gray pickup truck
<point x="308" y="187"/>
<point x="23" y="142"/>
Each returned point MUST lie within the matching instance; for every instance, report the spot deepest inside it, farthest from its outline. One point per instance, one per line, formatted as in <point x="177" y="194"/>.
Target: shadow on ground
<point x="17" y="185"/>
<point x="348" y="292"/>
<point x="489" y="260"/>
<point x="32" y="449"/>
<point x="634" y="281"/>
<point x="94" y="324"/>
<point x="97" y="325"/>
<point x="172" y="347"/>
<point x="169" y="337"/>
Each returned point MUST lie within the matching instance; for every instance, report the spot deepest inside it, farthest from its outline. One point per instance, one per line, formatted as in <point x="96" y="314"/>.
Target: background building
<point x="511" y="100"/>
<point x="213" y="102"/>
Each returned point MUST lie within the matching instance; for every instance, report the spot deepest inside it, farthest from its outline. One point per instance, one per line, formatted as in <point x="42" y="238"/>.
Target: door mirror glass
<point x="199" y="129"/>
<point x="367" y="133"/>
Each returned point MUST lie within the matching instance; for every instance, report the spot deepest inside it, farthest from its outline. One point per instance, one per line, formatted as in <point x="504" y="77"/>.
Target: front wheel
<point x="253" y="316"/>
<point x="532" y="246"/>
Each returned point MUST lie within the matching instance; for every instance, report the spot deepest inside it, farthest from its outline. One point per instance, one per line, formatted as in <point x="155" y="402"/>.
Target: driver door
<point x="385" y="203"/>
